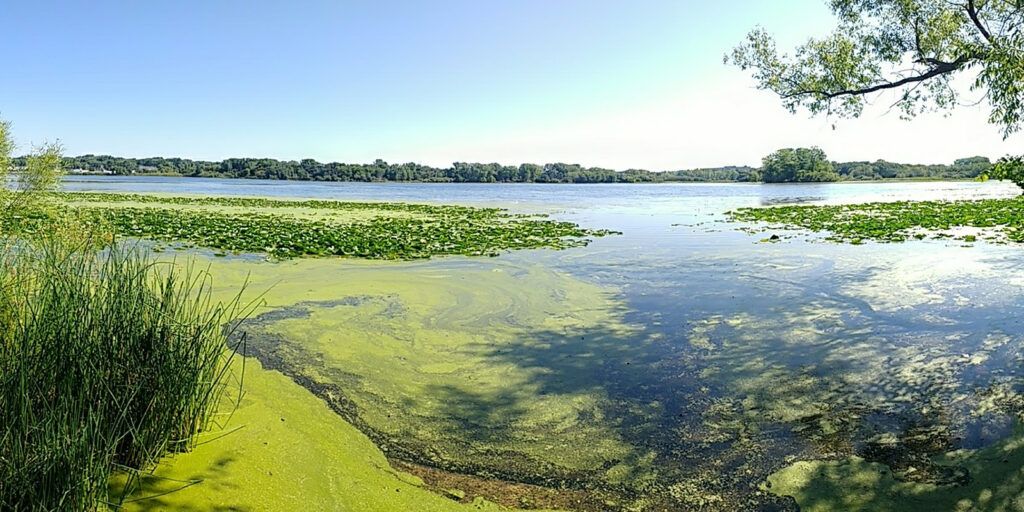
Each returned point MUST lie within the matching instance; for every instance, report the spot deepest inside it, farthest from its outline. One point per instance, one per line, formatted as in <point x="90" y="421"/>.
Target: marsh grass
<point x="108" y="360"/>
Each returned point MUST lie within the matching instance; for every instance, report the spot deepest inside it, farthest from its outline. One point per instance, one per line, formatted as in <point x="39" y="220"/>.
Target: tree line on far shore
<point x="794" y="165"/>
<point x="786" y="165"/>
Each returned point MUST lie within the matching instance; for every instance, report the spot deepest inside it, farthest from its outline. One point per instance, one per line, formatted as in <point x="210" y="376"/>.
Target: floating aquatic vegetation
<point x="264" y="202"/>
<point x="254" y="226"/>
<point x="994" y="220"/>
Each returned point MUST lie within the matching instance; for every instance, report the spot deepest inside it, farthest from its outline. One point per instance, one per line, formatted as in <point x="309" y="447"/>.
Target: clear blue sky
<point x="351" y="81"/>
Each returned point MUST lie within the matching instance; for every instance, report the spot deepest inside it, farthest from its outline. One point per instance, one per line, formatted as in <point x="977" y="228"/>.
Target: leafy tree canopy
<point x="915" y="47"/>
<point x="38" y="173"/>
<point x="1010" y="168"/>
<point x="797" y="165"/>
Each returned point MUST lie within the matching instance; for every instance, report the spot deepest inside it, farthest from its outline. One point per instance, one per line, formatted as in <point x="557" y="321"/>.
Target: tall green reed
<point x="108" y="359"/>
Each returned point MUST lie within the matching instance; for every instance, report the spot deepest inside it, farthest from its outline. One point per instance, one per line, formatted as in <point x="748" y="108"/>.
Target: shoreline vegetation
<point x="109" y="359"/>
<point x="150" y="367"/>
<point x="924" y="179"/>
<point x="461" y="172"/>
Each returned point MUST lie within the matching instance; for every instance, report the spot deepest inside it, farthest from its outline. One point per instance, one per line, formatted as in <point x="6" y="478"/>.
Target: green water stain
<point x="500" y="370"/>
<point x="284" y="449"/>
<point x="437" y="361"/>
<point x="443" y="363"/>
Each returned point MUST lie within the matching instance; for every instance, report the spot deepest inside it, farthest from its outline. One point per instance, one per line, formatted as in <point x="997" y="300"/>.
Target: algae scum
<point x="680" y="366"/>
<point x="513" y="373"/>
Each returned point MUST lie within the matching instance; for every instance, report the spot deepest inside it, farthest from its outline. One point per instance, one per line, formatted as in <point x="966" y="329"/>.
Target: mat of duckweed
<point x="502" y="383"/>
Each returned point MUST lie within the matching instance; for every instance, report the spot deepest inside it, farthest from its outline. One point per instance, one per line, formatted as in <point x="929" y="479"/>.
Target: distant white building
<point x="87" y="171"/>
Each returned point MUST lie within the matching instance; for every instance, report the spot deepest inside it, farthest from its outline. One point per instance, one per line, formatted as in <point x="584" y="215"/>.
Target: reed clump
<point x="108" y="361"/>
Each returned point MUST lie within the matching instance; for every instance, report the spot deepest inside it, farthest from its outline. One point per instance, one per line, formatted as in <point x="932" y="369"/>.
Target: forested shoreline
<point x="460" y="172"/>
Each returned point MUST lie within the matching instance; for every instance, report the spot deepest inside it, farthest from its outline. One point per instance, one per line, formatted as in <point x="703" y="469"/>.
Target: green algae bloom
<point x="428" y="361"/>
<point x="284" y="449"/>
<point x="377" y="370"/>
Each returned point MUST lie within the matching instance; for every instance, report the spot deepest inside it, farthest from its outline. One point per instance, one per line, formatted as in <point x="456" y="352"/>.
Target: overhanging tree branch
<point x="941" y="68"/>
<point x="972" y="11"/>
<point x="875" y="38"/>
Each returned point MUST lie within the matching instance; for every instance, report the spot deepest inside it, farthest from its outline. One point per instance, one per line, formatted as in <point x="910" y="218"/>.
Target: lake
<point x="681" y="362"/>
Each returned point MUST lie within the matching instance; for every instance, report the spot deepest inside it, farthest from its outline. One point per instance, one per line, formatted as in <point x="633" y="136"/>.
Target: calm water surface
<point x="754" y="352"/>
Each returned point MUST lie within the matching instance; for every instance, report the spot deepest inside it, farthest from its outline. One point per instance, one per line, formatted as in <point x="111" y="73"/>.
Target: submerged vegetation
<point x="380" y="231"/>
<point x="996" y="220"/>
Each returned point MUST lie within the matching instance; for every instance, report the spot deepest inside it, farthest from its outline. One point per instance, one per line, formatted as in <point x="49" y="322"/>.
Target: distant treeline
<point x="963" y="168"/>
<point x="267" y="168"/>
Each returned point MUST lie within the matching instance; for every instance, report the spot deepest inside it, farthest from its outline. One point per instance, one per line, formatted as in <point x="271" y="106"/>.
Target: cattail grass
<point x="107" y="359"/>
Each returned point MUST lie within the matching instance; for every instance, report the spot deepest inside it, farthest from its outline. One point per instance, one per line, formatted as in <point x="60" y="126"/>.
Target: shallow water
<point x="677" y="365"/>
